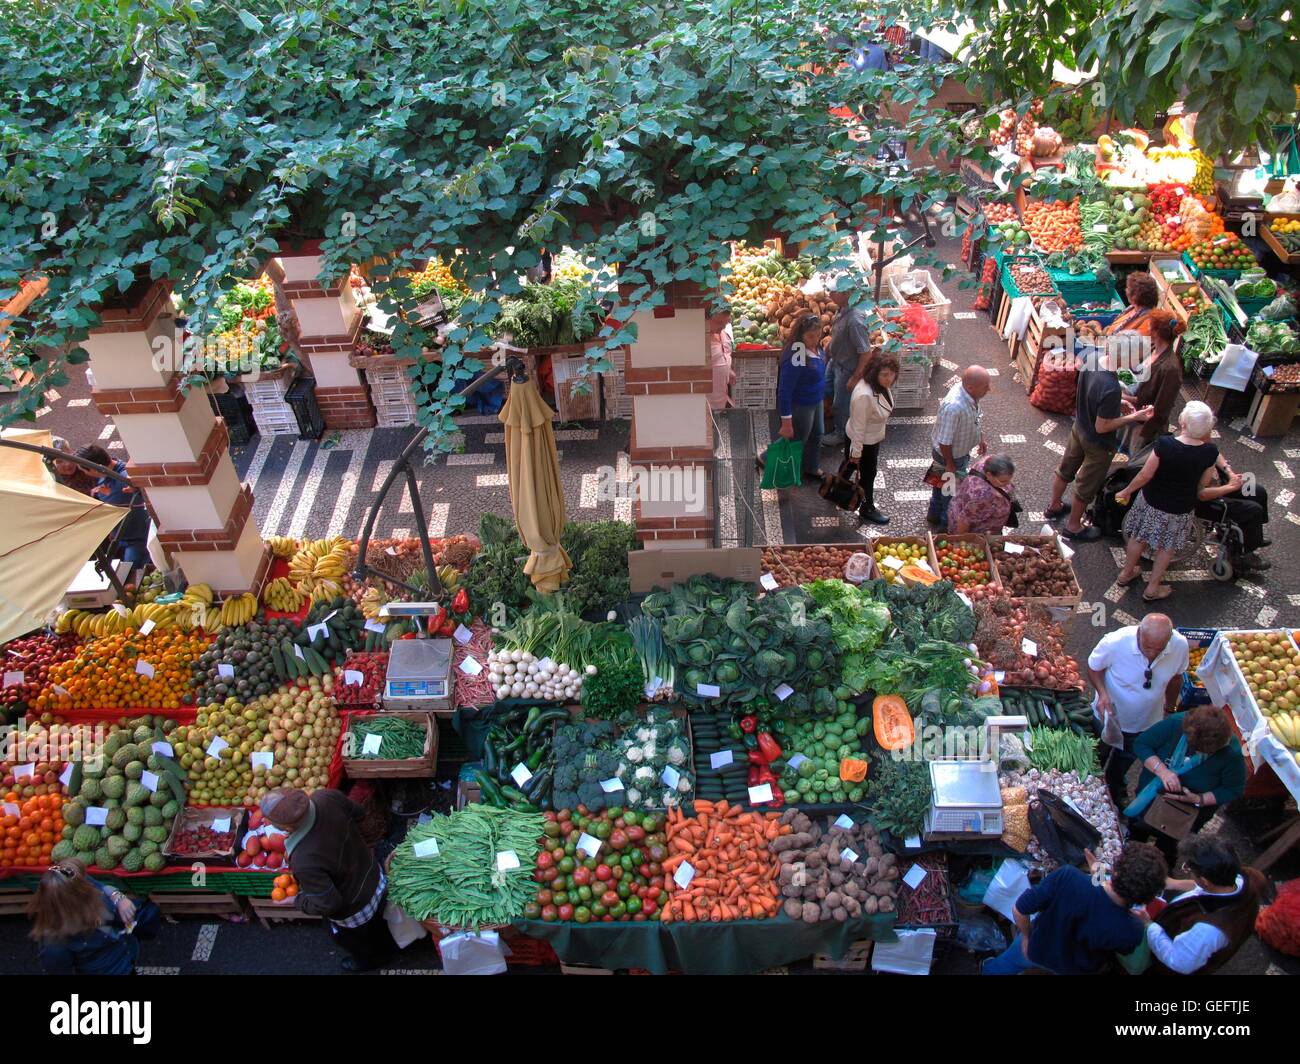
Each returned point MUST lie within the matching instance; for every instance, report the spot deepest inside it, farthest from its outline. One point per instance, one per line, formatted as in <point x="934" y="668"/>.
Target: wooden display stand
<point x="197" y="903"/>
<point x="15" y="900"/>
<point x="268" y="911"/>
<point x="1271" y="413"/>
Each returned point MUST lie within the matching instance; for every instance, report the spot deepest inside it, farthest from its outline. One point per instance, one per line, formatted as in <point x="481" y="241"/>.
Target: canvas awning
<point x="48" y="533"/>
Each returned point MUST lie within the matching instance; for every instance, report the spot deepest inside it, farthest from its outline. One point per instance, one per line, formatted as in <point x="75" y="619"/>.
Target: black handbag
<point x="842" y="487"/>
<point x="1060" y="831"/>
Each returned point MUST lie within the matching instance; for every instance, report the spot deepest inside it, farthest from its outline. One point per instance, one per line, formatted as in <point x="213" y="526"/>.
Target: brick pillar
<point x="178" y="448"/>
<point x="669" y="378"/>
<point x="329" y="322"/>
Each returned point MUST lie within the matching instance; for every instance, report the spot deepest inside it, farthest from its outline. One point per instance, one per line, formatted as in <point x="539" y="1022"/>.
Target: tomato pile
<point x="619" y="884"/>
<point x="1223" y="252"/>
<point x="965" y="564"/>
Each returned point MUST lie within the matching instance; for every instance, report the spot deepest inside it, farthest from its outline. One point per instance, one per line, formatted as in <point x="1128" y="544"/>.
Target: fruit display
<point x="317" y="567"/>
<point x="891" y="558"/>
<point x="245" y="662"/>
<point x="124" y="671"/>
<point x="30" y="836"/>
<point x="152" y="585"/>
<point x="262" y="844"/>
<point x="1270" y="664"/>
<point x="141" y="790"/>
<point x="1192" y="168"/>
<point x="284" y="888"/>
<point x="1129" y="212"/>
<point x="963" y="562"/>
<point x="749" y="324"/>
<point x="247" y="337"/>
<point x="437" y="275"/>
<point x="755" y="286"/>
<point x="1223" y="252"/>
<point x="995" y="213"/>
<point x="794" y="565"/>
<point x="1054" y="226"/>
<point x="280" y="595"/>
<point x="1036" y="570"/>
<point x="1010" y="234"/>
<point x="788" y="307"/>
<point x="1287" y="233"/>
<point x="373" y="667"/>
<point x="1195" y="655"/>
<point x="817" y="767"/>
<point x="26" y="664"/>
<point x="621" y="881"/>
<point x="1193" y="300"/>
<point x="208" y="832"/>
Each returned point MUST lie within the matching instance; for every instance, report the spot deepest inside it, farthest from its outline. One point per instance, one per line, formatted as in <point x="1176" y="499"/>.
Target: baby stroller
<point x="1212" y="526"/>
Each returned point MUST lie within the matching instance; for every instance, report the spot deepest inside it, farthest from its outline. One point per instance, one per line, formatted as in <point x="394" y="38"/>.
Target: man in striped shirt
<point x="957" y="433"/>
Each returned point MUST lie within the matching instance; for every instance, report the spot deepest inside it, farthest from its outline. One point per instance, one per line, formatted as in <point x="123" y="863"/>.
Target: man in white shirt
<point x="958" y="433"/>
<point x="1137" y="672"/>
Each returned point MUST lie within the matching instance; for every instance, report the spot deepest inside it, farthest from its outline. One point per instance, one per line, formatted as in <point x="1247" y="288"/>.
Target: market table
<point x="737" y="947"/>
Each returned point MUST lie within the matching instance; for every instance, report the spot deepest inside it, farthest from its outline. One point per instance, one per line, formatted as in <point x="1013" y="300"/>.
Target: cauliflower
<point x="644" y="735"/>
<point x="649" y="750"/>
<point x="669" y="798"/>
<point x="683" y="785"/>
<point x="634" y="754"/>
<point x="633" y="796"/>
<point x="643" y="774"/>
<point x="676" y="754"/>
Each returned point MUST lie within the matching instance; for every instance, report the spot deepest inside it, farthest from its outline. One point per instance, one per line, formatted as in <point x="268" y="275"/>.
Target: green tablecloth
<point x="739" y="947"/>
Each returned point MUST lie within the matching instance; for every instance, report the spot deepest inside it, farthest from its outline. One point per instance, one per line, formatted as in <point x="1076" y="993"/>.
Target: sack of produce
<point x="1055" y="383"/>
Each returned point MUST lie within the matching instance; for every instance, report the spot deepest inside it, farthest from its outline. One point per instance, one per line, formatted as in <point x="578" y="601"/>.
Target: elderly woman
<point x="1193" y="757"/>
<point x="1177" y="470"/>
<point x="984" y="499"/>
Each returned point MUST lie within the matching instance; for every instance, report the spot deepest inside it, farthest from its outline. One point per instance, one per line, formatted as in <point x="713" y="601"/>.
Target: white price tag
<point x="13" y="679"/>
<point x="373" y="625"/>
<point x="1128" y="203"/>
<point x="1070" y="802"/>
<point x="147" y="627"/>
<point x="370" y="745"/>
<point x="121" y="610"/>
<point x="761" y="794"/>
<point x="1067" y="552"/>
<point x="721" y="759"/>
<point x="914" y="876"/>
<point x="1101" y="227"/>
<point x="470" y="666"/>
<point x="149" y="780"/>
<point x="65" y="777"/>
<point x="391" y="551"/>
<point x="611" y="785"/>
<point x="314" y="630"/>
<point x="326" y="618"/>
<point x="263" y="758"/>
<point x="708" y="690"/>
<point x="1047" y="531"/>
<point x="462" y="634"/>
<point x="892" y="563"/>
<point x="507" y="860"/>
<point x="652" y="688"/>
<point x="999" y="677"/>
<point x="24" y="772"/>
<point x="849" y="855"/>
<point x="796" y="760"/>
<point x="353" y="678"/>
<point x="912" y="842"/>
<point x="425" y="848"/>
<point x="1013" y="548"/>
<point x="143" y="668"/>
<point x="783" y="692"/>
<point x="13" y="809"/>
<point x="226" y="671"/>
<point x="671" y="777"/>
<point x="96" y="816"/>
<point x="844" y="821"/>
<point x="769" y="581"/>
<point x="160" y="747"/>
<point x="1029" y="647"/>
<point x="962" y="595"/>
<point x="297" y="653"/>
<point x="216" y="746"/>
<point x="60" y="690"/>
<point x="684" y="874"/>
<point x="588" y="844"/>
<point x="520" y="774"/>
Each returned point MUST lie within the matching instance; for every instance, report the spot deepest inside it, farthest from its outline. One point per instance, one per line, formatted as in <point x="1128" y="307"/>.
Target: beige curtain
<point x="536" y="492"/>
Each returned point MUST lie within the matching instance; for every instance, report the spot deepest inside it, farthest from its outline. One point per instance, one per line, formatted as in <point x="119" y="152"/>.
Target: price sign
<point x="962" y="595"/>
<point x="892" y="563"/>
<point x="470" y="666"/>
<point x="721" y="759"/>
<point x="843" y="821"/>
<point x="297" y="653"/>
<point x="13" y="809"/>
<point x="761" y="794"/>
<point x="783" y="692"/>
<point x="314" y="630"/>
<point x="371" y="744"/>
<point x="13" y="679"/>
<point x="149" y="780"/>
<point x="221" y="824"/>
<point x="588" y="844"/>
<point x="143" y="668"/>
<point x="684" y="874"/>
<point x="849" y="855"/>
<point x="65" y="777"/>
<point x="796" y="760"/>
<point x="216" y="746"/>
<point x="507" y="860"/>
<point x="1101" y="227"/>
<point x="96" y="816"/>
<point x="999" y="677"/>
<point x="462" y="634"/>
<point x="671" y="777"/>
<point x="160" y="747"/>
<point x="373" y="625"/>
<point x="226" y="672"/>
<point x="353" y="678"/>
<point x="425" y="848"/>
<point x="1013" y="548"/>
<point x="24" y="772"/>
<point x="708" y="690"/>
<point x="769" y="581"/>
<point x="914" y="876"/>
<point x="610" y="786"/>
<point x="262" y="759"/>
<point x="1029" y="647"/>
<point x="912" y="842"/>
<point x="520" y="774"/>
<point x="147" y="627"/>
<point x="1067" y="552"/>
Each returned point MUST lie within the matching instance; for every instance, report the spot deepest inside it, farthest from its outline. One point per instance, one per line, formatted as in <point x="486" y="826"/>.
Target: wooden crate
<point x="976" y="538"/>
<point x="756" y="377"/>
<point x="883" y="541"/>
<point x="422" y="767"/>
<point x="197" y="903"/>
<point x="15" y="900"/>
<point x="1059" y="601"/>
<point x="268" y="911"/>
<point x="570" y="377"/>
<point x="860" y="547"/>
<point x="1271" y="413"/>
<point x="1275" y="245"/>
<point x="855" y="959"/>
<point x="1027" y="366"/>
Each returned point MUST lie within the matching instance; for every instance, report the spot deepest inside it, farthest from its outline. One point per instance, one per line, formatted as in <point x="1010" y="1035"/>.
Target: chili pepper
<point x="768" y="746"/>
<point x="756" y="758"/>
<point x="749" y="725"/>
<point x="460" y="601"/>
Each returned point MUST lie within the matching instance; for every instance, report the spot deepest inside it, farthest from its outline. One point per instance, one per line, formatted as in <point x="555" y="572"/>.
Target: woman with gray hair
<point x="1176" y="471"/>
<point x="985" y="498"/>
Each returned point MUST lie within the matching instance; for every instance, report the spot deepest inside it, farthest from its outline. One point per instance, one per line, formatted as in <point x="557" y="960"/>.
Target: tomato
<point x="544" y="897"/>
<point x="609" y="898"/>
<point x="634" y="905"/>
<point x="582" y="914"/>
<point x="549" y="875"/>
<point x="582" y="876"/>
<point x="604" y="872"/>
<point x="566" y="864"/>
<point x="584" y="894"/>
<point x="560" y="897"/>
<point x="532" y="910"/>
<point x="551" y="829"/>
<point x="565" y="912"/>
<point x="598" y="910"/>
<point x="550" y="912"/>
<point x="618" y="910"/>
<point x="618" y="871"/>
<point x="624" y="889"/>
<point x="545" y="860"/>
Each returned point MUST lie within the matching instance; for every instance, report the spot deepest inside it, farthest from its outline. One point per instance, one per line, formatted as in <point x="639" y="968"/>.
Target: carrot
<point x="704" y="806"/>
<point x="671" y="864"/>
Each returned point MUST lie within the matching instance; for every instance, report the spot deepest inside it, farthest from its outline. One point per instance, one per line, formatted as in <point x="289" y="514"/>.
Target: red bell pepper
<point x="778" y="797"/>
<point x="756" y="758"/>
<point x="763" y="775"/>
<point x="448" y="627"/>
<point x="435" y="619"/>
<point x="768" y="747"/>
<point x="752" y="780"/>
<point x="460" y="602"/>
<point x="749" y="725"/>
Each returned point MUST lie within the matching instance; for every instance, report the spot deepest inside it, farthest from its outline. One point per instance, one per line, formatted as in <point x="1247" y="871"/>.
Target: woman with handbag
<point x="1189" y="758"/>
<point x="800" y="389"/>
<point x="986" y="499"/>
<point x="869" y="410"/>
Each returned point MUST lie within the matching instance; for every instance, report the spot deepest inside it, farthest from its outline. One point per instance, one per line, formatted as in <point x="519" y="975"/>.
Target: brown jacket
<point x="1233" y="915"/>
<point x="1160" y="390"/>
<point x="336" y="872"/>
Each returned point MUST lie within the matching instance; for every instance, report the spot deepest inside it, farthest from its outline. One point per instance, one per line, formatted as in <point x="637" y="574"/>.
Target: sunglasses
<point x="1146" y="679"/>
<point x="64" y="871"/>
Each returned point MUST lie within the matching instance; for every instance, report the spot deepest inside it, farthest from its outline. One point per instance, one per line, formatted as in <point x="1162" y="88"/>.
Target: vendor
<point x="69" y="473"/>
<point x="133" y="533"/>
<point x="1193" y="757"/>
<point x="1137" y="672"/>
<point x="338" y="877"/>
<point x="1079" y="924"/>
<point x="1201" y="929"/>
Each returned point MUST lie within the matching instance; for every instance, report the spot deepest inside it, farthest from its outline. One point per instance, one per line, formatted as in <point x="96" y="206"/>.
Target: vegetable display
<point x="481" y="874"/>
<point x="733" y="871"/>
<point x="654" y="761"/>
<point x="1063" y="751"/>
<point x="899" y="793"/>
<point x="1268" y="337"/>
<point x="792" y="566"/>
<point x="891" y="558"/>
<point x="1038" y="570"/>
<point x="399" y="739"/>
<point x="815" y="772"/>
<point x="1002" y="628"/>
<point x="1054" y="226"/>
<point x="964" y="563"/>
<point x="1205" y="338"/>
<point x="835" y="872"/>
<point x="1090" y="798"/>
<point x="521" y="757"/>
<point x="858" y="624"/>
<point x="1226" y="251"/>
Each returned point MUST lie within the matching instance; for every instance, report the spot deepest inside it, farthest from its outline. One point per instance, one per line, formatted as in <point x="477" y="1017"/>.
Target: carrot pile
<point x="735" y="868"/>
<point x="1054" y="226"/>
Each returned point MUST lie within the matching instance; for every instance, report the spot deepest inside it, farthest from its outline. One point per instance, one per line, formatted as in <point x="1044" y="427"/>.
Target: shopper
<point x="1175" y="473"/>
<point x="722" y="345"/>
<point x="957" y="434"/>
<point x="82" y="927"/>
<point x="985" y="498"/>
<point x="338" y="877"/>
<point x="800" y="389"/>
<point x="1230" y="497"/>
<point x="1201" y="929"/>
<point x="1143" y="296"/>
<point x="1137" y="673"/>
<point x="69" y="473"/>
<point x="850" y="351"/>
<point x="132" y="534"/>
<point x="873" y="402"/>
<point x="1079" y="924"/>
<point x="1100" y="411"/>
<point x="1193" y="757"/>
<point x="1161" y="377"/>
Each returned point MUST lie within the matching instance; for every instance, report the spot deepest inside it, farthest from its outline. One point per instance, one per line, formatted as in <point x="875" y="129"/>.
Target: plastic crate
<point x="1008" y="279"/>
<point x="1226" y="275"/>
<point x="938" y="305"/>
<point x="1193" y="693"/>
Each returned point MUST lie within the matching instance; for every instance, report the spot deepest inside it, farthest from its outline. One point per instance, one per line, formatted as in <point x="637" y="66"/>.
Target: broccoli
<point x="566" y="778"/>
<point x="590" y="795"/>
<point x="566" y="799"/>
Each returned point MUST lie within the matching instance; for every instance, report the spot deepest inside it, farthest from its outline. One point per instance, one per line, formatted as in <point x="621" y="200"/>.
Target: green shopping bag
<point x="783" y="467"/>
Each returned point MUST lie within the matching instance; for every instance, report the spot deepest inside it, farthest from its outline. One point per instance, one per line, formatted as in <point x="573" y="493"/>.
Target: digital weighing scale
<point x="966" y="801"/>
<point x="419" y="675"/>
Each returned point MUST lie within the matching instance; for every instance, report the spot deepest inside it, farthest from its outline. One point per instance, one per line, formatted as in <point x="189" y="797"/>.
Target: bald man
<point x="957" y="434"/>
<point x="1137" y="673"/>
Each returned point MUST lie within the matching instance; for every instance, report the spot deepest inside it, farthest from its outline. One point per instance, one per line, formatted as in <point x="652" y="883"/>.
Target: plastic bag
<point x="857" y="568"/>
<point x="472" y="953"/>
<point x="979" y="934"/>
<point x="921" y="328"/>
<point x="404" y="929"/>
<point x="783" y="466"/>
<point x="973" y="890"/>
<point x="1111" y="733"/>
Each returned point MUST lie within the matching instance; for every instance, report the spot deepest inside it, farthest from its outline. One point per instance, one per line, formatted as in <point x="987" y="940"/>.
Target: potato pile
<point x="833" y="874"/>
<point x="792" y="304"/>
<point x="793" y="566"/>
<point x="1040" y="572"/>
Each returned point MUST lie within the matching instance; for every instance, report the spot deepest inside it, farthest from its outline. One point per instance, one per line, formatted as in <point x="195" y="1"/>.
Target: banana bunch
<point x="281" y="595"/>
<point x="320" y="589"/>
<point x="89" y="625"/>
<point x="197" y="593"/>
<point x="239" y="610"/>
<point x="448" y="576"/>
<point x="1285" y="725"/>
<point x="371" y="601"/>
<point x="320" y="559"/>
<point x="163" y="616"/>
<point x="282" y="546"/>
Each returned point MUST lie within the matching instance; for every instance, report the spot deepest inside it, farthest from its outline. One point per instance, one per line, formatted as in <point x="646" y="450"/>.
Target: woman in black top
<point x="1170" y="482"/>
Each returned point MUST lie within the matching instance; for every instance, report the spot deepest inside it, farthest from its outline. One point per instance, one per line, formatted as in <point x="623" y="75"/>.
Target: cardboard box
<point x="649" y="569"/>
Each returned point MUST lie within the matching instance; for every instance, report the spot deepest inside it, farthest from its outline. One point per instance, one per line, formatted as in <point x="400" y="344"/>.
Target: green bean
<point x="1063" y="750"/>
<point x="399" y="738"/>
